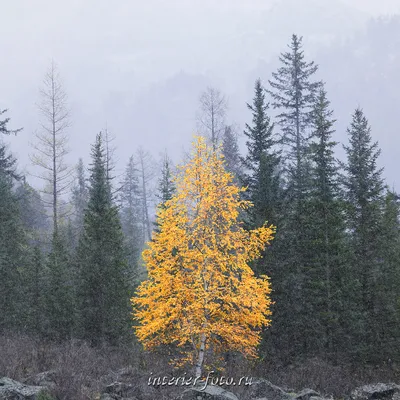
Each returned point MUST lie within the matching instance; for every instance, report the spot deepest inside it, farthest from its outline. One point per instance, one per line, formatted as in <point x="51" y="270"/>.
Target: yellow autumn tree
<point x="201" y="295"/>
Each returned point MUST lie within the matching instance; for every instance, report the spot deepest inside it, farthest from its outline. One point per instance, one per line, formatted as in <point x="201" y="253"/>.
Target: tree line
<point x="334" y="263"/>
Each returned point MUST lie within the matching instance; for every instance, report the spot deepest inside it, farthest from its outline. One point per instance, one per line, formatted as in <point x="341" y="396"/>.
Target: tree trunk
<point x="200" y="359"/>
<point x="54" y="144"/>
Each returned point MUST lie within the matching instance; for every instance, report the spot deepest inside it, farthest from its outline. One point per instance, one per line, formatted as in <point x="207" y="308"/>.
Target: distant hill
<point x="362" y="71"/>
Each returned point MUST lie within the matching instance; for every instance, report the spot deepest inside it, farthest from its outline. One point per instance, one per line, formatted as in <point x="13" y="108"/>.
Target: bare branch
<point x="211" y="117"/>
<point x="51" y="141"/>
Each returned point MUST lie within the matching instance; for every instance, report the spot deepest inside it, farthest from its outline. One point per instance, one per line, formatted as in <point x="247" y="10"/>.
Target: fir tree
<point x="166" y="186"/>
<point x="326" y="277"/>
<point x="79" y="200"/>
<point x="7" y="161"/>
<point x="58" y="291"/>
<point x="231" y="153"/>
<point x="8" y="164"/>
<point x="262" y="162"/>
<point x="130" y="212"/>
<point x="12" y="255"/>
<point x="33" y="213"/>
<point x="34" y="294"/>
<point x="364" y="192"/>
<point x="104" y="275"/>
<point x="388" y="282"/>
<point x="3" y="125"/>
<point x="293" y="92"/>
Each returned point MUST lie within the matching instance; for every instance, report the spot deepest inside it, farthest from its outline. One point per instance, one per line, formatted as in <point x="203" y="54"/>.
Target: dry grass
<point x="324" y="377"/>
<point x="81" y="371"/>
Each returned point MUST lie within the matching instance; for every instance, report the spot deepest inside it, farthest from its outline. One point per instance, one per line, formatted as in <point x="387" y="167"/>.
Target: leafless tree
<point x="211" y="118"/>
<point x="51" y="145"/>
<point x="147" y="175"/>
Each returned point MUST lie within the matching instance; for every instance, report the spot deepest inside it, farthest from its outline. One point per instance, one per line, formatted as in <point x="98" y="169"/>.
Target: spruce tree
<point x="388" y="282"/>
<point x="34" y="293"/>
<point x="4" y="129"/>
<point x="8" y="163"/>
<point x="33" y="213"/>
<point x="79" y="201"/>
<point x="12" y="256"/>
<point x="293" y="91"/>
<point x="58" y="291"/>
<point x="364" y="193"/>
<point x="326" y="275"/>
<point x="104" y="275"/>
<point x="130" y="212"/>
<point x="19" y="222"/>
<point x="262" y="178"/>
<point x="261" y="162"/>
<point x="166" y="186"/>
<point x="231" y="153"/>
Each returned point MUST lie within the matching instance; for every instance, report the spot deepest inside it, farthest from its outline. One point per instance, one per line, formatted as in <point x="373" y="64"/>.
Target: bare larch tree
<point x="147" y="174"/>
<point x="51" y="144"/>
<point x="211" y="117"/>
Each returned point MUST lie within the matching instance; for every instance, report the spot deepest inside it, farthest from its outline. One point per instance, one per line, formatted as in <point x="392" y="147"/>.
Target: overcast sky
<point x="113" y="56"/>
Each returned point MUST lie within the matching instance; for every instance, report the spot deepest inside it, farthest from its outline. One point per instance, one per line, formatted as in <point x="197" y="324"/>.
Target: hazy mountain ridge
<point x="133" y="92"/>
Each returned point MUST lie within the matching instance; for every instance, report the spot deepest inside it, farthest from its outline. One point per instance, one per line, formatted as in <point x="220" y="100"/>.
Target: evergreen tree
<point x="58" y="291"/>
<point x="364" y="192"/>
<point x="388" y="282"/>
<point x="293" y="92"/>
<point x="11" y="236"/>
<point x="166" y="186"/>
<point x="8" y="164"/>
<point x="326" y="277"/>
<point x="262" y="178"/>
<point x="33" y="213"/>
<point x="3" y="125"/>
<point x="262" y="162"/>
<point x="104" y="275"/>
<point x="231" y="153"/>
<point x="80" y="196"/>
<point x="33" y="279"/>
<point x="131" y="221"/>
<point x="7" y="161"/>
<point x="20" y="220"/>
<point x="12" y="255"/>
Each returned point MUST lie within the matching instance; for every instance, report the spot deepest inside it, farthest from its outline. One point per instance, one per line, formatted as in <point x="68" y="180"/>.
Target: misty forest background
<point x="71" y="242"/>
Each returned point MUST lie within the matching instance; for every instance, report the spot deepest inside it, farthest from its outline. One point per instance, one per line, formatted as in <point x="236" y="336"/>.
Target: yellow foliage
<point x="199" y="279"/>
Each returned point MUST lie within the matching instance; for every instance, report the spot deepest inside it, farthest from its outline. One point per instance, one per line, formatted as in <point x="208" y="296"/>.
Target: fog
<point x="138" y="67"/>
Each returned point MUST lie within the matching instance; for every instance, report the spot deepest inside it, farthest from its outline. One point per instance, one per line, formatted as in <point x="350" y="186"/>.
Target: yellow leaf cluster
<point x="199" y="279"/>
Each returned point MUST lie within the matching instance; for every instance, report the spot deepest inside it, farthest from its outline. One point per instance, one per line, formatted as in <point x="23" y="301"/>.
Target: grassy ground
<point x="83" y="372"/>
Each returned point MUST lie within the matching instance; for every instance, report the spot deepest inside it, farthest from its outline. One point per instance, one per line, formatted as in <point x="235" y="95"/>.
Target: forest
<point x="73" y="248"/>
